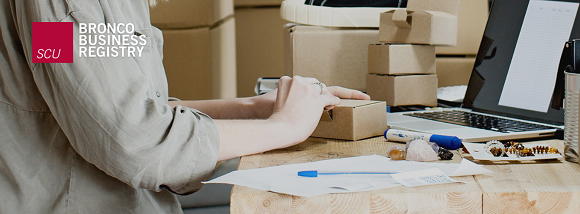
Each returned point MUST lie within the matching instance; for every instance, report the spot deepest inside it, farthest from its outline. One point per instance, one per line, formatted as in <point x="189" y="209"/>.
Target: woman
<point x="98" y="134"/>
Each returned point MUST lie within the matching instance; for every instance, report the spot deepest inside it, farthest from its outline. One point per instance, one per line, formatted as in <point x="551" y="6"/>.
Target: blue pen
<point x="315" y="173"/>
<point x="448" y="142"/>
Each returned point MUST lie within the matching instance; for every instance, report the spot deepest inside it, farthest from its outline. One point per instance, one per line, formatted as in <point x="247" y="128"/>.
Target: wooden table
<point x="516" y="187"/>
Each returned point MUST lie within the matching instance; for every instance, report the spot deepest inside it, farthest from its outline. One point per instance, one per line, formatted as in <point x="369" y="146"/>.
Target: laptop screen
<point x="517" y="63"/>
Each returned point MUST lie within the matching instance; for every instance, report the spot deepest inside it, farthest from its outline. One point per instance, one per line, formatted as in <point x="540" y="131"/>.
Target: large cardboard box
<point x="396" y="59"/>
<point x="353" y="120"/>
<point x="335" y="56"/>
<point x="200" y="63"/>
<point x="454" y="70"/>
<point x="431" y="22"/>
<point x="190" y="13"/>
<point x="259" y="46"/>
<point x="471" y="22"/>
<point x="403" y="90"/>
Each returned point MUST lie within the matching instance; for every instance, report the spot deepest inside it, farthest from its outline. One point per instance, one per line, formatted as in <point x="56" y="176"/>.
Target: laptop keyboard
<point x="479" y="121"/>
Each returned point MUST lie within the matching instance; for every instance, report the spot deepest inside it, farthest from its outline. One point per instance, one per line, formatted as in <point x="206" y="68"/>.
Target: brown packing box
<point x="353" y="120"/>
<point x="471" y="22"/>
<point x="396" y="59"/>
<point x="259" y="46"/>
<point x="200" y="63"/>
<point x="404" y="90"/>
<point x="454" y="70"/>
<point x="335" y="56"/>
<point x="431" y="22"/>
<point x="190" y="13"/>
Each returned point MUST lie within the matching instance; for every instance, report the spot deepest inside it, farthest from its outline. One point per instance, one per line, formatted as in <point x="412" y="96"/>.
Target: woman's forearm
<point x="236" y="108"/>
<point x="245" y="137"/>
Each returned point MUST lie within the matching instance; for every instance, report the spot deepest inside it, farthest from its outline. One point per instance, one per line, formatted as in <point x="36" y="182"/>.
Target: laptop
<point x="509" y="95"/>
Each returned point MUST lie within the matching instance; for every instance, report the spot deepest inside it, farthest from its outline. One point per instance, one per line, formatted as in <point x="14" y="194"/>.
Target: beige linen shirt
<point x="96" y="135"/>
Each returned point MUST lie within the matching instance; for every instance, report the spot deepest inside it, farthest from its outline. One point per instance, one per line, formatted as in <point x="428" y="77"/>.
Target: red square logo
<point x="52" y="42"/>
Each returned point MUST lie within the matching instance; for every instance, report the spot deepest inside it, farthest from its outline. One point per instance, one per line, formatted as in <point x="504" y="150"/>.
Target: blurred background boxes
<point x="454" y="64"/>
<point x="335" y="56"/>
<point x="190" y="13"/>
<point x="454" y="70"/>
<point x="259" y="42"/>
<point x="199" y="47"/>
<point x="471" y="21"/>
<point x="258" y="48"/>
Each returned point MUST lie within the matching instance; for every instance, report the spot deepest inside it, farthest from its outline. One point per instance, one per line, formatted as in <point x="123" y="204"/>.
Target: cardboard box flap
<point x="326" y="115"/>
<point x="308" y="28"/>
<point x="402" y="18"/>
<point x="356" y="103"/>
<point x="447" y="6"/>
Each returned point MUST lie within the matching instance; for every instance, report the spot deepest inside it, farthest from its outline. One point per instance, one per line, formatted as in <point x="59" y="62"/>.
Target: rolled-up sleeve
<point x="114" y="110"/>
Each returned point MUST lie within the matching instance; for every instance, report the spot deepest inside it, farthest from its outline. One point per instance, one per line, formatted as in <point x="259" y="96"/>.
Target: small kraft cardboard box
<point x="353" y="120"/>
<point x="431" y="22"/>
<point x="420" y="89"/>
<point x="396" y="59"/>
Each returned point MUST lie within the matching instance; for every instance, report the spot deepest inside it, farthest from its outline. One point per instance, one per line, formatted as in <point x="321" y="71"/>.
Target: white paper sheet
<point x="285" y="179"/>
<point x="532" y="73"/>
<point x="469" y="168"/>
<point x="423" y="177"/>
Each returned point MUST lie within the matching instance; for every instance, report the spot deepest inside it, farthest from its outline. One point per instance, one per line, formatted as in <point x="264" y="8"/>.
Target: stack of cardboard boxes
<point x="199" y="53"/>
<point x="401" y="74"/>
<point x="340" y="56"/>
<point x="402" y="68"/>
<point x="405" y="74"/>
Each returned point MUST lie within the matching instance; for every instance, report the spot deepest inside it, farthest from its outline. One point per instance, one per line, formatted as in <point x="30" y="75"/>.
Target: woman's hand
<point x="292" y="112"/>
<point x="299" y="104"/>
<point x="267" y="101"/>
<point x="345" y="93"/>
